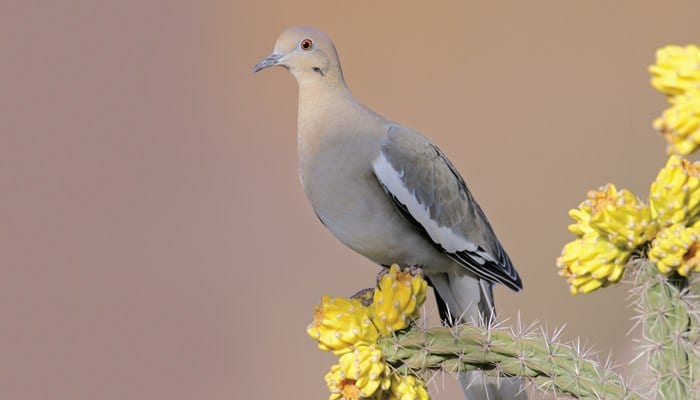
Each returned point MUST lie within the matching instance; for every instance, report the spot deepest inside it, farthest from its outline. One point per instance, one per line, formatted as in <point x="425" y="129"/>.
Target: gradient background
<point x="155" y="242"/>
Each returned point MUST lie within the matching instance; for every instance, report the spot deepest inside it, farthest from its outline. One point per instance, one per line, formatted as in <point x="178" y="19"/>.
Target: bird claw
<point x="366" y="296"/>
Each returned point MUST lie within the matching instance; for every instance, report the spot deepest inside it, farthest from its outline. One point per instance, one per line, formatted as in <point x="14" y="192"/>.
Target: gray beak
<point x="269" y="61"/>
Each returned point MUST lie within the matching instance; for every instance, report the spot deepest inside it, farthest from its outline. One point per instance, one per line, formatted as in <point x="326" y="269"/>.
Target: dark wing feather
<point x="428" y="190"/>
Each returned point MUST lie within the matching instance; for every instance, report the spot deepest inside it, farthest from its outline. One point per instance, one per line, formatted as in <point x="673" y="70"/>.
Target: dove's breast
<point x="335" y="166"/>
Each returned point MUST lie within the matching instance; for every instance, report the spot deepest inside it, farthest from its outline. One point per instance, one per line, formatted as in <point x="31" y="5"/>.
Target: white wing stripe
<point x="444" y="236"/>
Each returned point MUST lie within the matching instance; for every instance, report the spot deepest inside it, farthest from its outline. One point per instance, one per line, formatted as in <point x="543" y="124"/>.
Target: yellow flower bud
<point x="596" y="200"/>
<point x="397" y="299"/>
<point x="407" y="387"/>
<point x="676" y="249"/>
<point x="618" y="216"/>
<point x="680" y="123"/>
<point x="677" y="69"/>
<point x="358" y="374"/>
<point x="675" y="194"/>
<point x="339" y="386"/>
<point x="591" y="262"/>
<point x="340" y="325"/>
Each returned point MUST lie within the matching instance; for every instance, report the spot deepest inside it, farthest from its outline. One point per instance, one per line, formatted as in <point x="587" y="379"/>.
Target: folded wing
<point x="428" y="190"/>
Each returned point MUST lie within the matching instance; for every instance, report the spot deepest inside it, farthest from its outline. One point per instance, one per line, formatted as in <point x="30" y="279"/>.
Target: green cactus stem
<point x="669" y="323"/>
<point x="563" y="368"/>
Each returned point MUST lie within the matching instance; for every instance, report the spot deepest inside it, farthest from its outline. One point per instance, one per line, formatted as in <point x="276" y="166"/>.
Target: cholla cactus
<point x="551" y="365"/>
<point x="350" y="329"/>
<point x="667" y="311"/>
<point x="662" y="263"/>
<point x="612" y="225"/>
<point x="390" y="368"/>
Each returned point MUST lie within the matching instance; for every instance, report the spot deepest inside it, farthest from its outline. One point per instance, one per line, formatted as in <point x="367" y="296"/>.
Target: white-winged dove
<point x="388" y="193"/>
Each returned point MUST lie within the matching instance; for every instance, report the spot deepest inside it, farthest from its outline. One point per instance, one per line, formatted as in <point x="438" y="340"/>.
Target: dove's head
<point x="307" y="53"/>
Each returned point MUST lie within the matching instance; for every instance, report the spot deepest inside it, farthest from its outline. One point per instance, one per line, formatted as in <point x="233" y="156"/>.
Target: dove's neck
<point x="332" y="128"/>
<point x="322" y="106"/>
<point x="320" y="100"/>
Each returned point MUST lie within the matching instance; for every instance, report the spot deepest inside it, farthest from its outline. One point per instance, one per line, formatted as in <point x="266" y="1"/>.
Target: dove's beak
<point x="269" y="61"/>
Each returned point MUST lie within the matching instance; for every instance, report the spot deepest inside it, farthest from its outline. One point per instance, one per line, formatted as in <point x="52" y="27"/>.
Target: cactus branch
<point x="563" y="368"/>
<point x="666" y="312"/>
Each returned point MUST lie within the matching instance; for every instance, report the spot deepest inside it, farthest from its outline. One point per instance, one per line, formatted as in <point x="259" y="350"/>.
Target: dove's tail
<point x="463" y="298"/>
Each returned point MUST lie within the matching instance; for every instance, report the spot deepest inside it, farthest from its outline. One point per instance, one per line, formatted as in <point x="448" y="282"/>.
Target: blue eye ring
<point x="306" y="45"/>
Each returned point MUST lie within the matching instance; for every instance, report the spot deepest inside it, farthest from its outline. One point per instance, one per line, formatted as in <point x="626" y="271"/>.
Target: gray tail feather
<point x="450" y="292"/>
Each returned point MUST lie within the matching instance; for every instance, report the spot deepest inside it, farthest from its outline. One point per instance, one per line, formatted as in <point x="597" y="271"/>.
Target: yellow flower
<point x="339" y="386"/>
<point x="596" y="201"/>
<point x="675" y="194"/>
<point x="397" y="299"/>
<point x="358" y="374"/>
<point x="677" y="73"/>
<point x="407" y="387"/>
<point x="680" y="124"/>
<point x="676" y="249"/>
<point x="340" y="325"/>
<point x="618" y="216"/>
<point x="677" y="69"/>
<point x="591" y="262"/>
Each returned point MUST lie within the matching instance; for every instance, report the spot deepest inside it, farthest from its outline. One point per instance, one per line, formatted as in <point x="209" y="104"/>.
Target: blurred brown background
<point x="155" y="242"/>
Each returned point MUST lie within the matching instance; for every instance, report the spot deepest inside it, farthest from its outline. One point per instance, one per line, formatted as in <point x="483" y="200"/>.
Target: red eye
<point x="306" y="44"/>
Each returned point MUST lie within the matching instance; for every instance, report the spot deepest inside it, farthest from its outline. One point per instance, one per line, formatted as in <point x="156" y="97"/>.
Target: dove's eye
<point x="306" y="44"/>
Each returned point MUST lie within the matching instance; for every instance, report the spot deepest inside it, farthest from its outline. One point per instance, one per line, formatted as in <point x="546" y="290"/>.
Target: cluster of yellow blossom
<point x="675" y="204"/>
<point x="618" y="216"/>
<point x="350" y="330"/>
<point x="341" y="324"/>
<point x="675" y="194"/>
<point x="396" y="300"/>
<point x="610" y="225"/>
<point x="677" y="73"/>
<point x="406" y="387"/>
<point x="359" y="373"/>
<point x="676" y="249"/>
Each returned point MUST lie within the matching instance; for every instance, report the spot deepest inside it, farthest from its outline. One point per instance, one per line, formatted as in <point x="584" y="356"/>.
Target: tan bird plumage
<point x="387" y="192"/>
